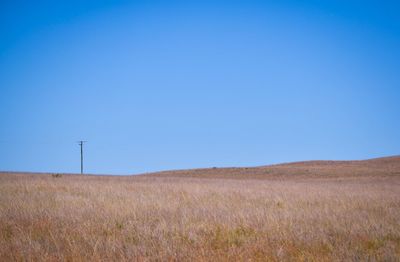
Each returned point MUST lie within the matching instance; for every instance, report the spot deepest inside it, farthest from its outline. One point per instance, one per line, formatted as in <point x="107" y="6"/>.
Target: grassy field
<point x="315" y="211"/>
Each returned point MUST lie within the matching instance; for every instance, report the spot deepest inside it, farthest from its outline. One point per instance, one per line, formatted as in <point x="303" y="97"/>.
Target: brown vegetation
<point x="310" y="211"/>
<point x="378" y="167"/>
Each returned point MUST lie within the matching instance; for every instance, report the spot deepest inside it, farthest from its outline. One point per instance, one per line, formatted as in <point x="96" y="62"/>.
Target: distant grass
<point x="74" y="218"/>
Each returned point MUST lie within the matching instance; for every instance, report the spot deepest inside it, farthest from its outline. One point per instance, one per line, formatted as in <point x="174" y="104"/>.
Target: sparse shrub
<point x="119" y="225"/>
<point x="7" y="232"/>
<point x="231" y="237"/>
<point x="279" y="204"/>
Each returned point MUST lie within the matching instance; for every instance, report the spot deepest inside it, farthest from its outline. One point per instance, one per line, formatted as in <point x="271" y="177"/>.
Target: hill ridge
<point x="381" y="166"/>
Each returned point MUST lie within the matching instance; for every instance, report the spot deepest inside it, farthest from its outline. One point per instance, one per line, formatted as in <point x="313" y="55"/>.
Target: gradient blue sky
<point x="156" y="85"/>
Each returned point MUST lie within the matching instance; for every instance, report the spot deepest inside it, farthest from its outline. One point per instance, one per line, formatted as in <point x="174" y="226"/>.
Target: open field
<point x="310" y="211"/>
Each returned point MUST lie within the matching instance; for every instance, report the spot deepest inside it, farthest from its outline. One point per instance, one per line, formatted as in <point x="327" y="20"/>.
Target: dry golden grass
<point x="185" y="218"/>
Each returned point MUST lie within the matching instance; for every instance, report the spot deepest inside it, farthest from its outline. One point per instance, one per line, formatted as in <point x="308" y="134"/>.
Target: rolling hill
<point x="385" y="166"/>
<point x="303" y="211"/>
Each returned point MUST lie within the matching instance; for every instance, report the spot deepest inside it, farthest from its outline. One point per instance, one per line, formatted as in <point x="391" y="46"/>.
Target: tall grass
<point x="77" y="218"/>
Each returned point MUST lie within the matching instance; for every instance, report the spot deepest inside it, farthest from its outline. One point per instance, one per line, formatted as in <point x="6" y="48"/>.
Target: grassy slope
<point x="310" y="211"/>
<point x="386" y="166"/>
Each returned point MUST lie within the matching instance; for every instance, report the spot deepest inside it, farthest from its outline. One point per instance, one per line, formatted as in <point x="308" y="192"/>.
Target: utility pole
<point x="81" y="145"/>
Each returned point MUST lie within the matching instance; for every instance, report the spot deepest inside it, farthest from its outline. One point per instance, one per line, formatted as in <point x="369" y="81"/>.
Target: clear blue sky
<point x="155" y="85"/>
